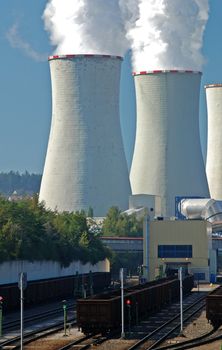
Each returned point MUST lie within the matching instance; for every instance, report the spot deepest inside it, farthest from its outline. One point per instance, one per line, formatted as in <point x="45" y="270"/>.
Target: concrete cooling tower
<point x="85" y="164"/>
<point x="214" y="142"/>
<point x="167" y="158"/>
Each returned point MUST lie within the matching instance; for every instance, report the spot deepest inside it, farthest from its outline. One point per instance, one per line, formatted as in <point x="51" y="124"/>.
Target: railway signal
<point x="64" y="302"/>
<point x="128" y="303"/>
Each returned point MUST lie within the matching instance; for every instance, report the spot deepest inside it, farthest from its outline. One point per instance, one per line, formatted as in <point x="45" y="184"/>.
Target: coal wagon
<point x="102" y="312"/>
<point x="53" y="289"/>
<point x="214" y="307"/>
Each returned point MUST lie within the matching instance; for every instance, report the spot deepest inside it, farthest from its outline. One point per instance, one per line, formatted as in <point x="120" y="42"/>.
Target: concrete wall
<point x="188" y="232"/>
<point x="214" y="140"/>
<point x="36" y="270"/>
<point x="167" y="159"/>
<point x="85" y="164"/>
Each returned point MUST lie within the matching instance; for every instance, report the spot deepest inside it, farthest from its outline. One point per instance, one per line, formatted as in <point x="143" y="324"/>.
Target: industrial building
<point x="85" y="165"/>
<point x="135" y="244"/>
<point x="184" y="240"/>
<point x="182" y="243"/>
<point x="214" y="140"/>
<point x="167" y="159"/>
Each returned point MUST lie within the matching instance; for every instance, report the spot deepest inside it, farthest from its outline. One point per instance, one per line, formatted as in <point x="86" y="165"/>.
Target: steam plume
<point x="163" y="34"/>
<point x="86" y="26"/>
<point x="16" y="41"/>
<point x="168" y="34"/>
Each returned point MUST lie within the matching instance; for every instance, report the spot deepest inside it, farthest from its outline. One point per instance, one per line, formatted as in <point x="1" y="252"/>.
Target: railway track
<point x="36" y="326"/>
<point x="82" y="343"/>
<point x="14" y="324"/>
<point x="85" y="342"/>
<point x="189" y="344"/>
<point x="150" y="341"/>
<point x="30" y="336"/>
<point x="160" y="331"/>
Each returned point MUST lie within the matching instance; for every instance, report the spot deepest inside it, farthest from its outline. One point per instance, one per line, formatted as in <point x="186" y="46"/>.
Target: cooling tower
<point x="85" y="164"/>
<point x="214" y="142"/>
<point x="167" y="158"/>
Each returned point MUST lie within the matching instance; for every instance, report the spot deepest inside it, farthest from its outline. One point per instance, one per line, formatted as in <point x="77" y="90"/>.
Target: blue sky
<point x="25" y="99"/>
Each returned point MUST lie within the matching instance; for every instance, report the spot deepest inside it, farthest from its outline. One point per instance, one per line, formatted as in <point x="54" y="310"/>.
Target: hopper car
<point x="47" y="290"/>
<point x="214" y="307"/>
<point x="102" y="313"/>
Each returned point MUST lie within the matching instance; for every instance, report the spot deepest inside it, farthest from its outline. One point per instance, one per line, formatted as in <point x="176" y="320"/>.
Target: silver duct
<point x="203" y="209"/>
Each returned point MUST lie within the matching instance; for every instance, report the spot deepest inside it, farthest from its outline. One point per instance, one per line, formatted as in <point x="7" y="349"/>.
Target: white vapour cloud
<point x="167" y="34"/>
<point x="16" y="41"/>
<point x="163" y="34"/>
<point x="86" y="26"/>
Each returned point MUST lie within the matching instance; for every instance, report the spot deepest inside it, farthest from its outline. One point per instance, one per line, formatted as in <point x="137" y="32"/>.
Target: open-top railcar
<point x="102" y="312"/>
<point x="214" y="307"/>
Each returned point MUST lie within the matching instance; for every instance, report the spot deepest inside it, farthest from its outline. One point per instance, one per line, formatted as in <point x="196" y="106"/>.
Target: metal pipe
<point x="203" y="209"/>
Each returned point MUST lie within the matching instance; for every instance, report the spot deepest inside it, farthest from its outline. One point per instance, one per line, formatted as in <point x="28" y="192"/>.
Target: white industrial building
<point x="214" y="141"/>
<point x="85" y="164"/>
<point x="167" y="160"/>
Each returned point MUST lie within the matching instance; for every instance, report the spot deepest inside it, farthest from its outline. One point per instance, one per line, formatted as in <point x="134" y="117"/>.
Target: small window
<point x="175" y="251"/>
<point x="199" y="276"/>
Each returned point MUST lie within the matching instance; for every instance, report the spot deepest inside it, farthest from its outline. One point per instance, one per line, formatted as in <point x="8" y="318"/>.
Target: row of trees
<point x="115" y="224"/>
<point x="25" y="183"/>
<point x="29" y="231"/>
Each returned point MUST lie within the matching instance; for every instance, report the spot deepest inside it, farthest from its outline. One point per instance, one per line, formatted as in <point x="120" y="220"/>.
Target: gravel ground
<point x="197" y="327"/>
<point x="55" y="341"/>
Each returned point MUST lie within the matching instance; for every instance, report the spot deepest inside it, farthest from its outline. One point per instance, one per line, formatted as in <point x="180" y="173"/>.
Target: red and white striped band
<point x="165" y="71"/>
<point x="80" y="55"/>
<point x="212" y="86"/>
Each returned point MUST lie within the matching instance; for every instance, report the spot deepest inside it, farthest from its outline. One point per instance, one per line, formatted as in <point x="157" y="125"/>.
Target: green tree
<point x="120" y="224"/>
<point x="29" y="231"/>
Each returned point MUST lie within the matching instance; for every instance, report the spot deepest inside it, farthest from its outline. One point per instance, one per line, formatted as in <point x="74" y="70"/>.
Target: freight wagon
<point x="214" y="307"/>
<point x="54" y="289"/>
<point x="102" y="312"/>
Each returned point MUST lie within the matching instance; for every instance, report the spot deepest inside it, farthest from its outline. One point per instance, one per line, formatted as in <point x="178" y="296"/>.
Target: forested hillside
<point x="23" y="184"/>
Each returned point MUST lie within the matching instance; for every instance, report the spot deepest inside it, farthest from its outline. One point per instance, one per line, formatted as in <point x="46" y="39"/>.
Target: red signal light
<point x="128" y="302"/>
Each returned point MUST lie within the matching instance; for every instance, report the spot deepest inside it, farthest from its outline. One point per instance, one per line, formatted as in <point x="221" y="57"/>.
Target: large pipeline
<point x="203" y="209"/>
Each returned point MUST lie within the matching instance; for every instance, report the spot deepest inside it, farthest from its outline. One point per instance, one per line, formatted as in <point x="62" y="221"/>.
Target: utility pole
<point x="122" y="303"/>
<point x="146" y="240"/>
<point x="22" y="285"/>
<point x="181" y="300"/>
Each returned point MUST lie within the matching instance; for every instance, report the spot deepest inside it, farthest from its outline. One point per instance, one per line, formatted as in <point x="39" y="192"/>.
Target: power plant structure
<point x="167" y="159"/>
<point x="214" y="141"/>
<point x="85" y="164"/>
